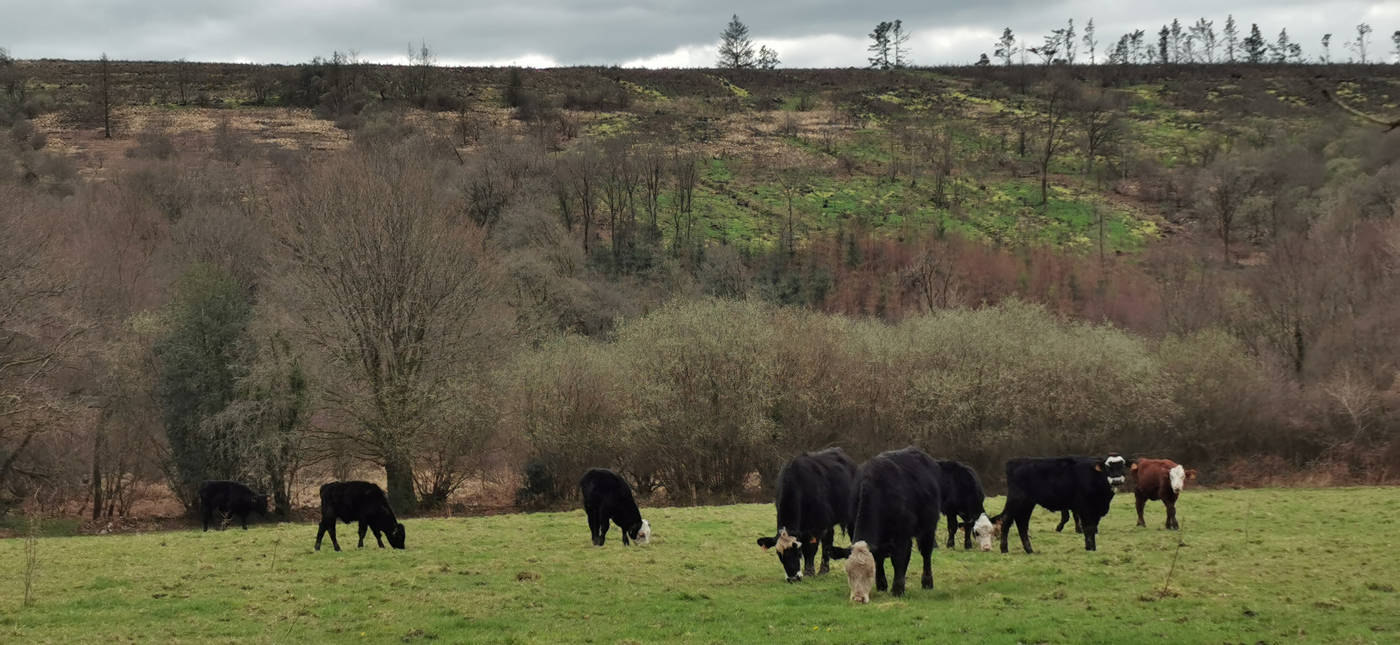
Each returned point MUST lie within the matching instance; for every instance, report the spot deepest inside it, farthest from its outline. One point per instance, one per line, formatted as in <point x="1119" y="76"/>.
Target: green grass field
<point x="1256" y="566"/>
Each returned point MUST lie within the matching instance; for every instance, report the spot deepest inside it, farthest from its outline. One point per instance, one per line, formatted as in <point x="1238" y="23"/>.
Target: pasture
<point x="1268" y="565"/>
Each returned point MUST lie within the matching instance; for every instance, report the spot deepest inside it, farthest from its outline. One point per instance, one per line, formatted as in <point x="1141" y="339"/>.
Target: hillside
<point x="953" y="150"/>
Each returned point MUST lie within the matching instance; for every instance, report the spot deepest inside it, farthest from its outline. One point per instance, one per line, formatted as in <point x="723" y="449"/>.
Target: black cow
<point x="229" y="498"/>
<point x="362" y="502"/>
<point x="814" y="497"/>
<point x="963" y="498"/>
<point x="897" y="499"/>
<point x="608" y="498"/>
<point x="1081" y="485"/>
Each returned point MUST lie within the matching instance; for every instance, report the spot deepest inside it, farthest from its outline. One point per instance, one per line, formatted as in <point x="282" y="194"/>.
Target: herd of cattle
<point x="886" y="506"/>
<point x="895" y="499"/>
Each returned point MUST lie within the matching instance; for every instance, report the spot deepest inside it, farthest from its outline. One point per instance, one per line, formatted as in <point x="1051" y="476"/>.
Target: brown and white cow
<point x="1160" y="479"/>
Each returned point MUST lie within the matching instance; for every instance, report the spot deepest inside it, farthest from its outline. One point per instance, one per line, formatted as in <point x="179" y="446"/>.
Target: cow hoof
<point x="926" y="584"/>
<point x="897" y="592"/>
<point x="823" y="571"/>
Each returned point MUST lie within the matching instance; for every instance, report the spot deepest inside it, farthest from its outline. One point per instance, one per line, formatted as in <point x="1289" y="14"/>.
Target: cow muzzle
<point x="1116" y="481"/>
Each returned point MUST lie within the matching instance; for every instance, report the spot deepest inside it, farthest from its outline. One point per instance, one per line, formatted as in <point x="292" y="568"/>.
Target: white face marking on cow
<point x="1178" y="476"/>
<point x="982" y="530"/>
<point x="644" y="533"/>
<point x="1115" y="460"/>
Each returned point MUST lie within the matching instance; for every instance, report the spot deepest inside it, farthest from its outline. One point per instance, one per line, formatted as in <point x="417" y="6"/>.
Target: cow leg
<point x="244" y="517"/>
<point x="900" y="560"/>
<point x="1064" y="519"/>
<point x="1008" y="516"/>
<point x="1023" y="526"/>
<point x="1078" y="528"/>
<point x="827" y="539"/>
<point x="1141" y="502"/>
<point x="327" y="526"/>
<point x="880" y="583"/>
<point x="1171" y="514"/>
<point x="952" y="529"/>
<point x="363" y="528"/>
<point x="967" y="533"/>
<point x="926" y="546"/>
<point x="1091" y="531"/>
<point x="208" y="517"/>
<point x="376" y="533"/>
<point x="809" y="556"/>
<point x="592" y="525"/>
<point x="603" y="530"/>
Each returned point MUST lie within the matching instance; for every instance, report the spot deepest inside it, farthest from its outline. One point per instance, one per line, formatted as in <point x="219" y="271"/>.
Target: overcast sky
<point x="653" y="33"/>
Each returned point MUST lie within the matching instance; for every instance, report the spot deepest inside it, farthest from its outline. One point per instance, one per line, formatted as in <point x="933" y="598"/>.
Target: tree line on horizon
<point x="1177" y="43"/>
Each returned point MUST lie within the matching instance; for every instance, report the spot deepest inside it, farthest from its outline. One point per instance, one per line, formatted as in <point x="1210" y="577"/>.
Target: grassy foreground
<point x="1304" y="565"/>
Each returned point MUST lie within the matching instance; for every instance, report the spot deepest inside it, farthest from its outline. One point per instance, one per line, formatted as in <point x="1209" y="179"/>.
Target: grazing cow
<point x="608" y="498"/>
<point x="1082" y="485"/>
<point x="860" y="572"/>
<point x="1160" y="479"/>
<point x="814" y="497"/>
<point x="897" y="500"/>
<point x="229" y="498"/>
<point x="362" y="502"/>
<point x="962" y="498"/>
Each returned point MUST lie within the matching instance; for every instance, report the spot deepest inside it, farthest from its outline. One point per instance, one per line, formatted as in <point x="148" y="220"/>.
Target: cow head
<point x="983" y="530"/>
<point x="396" y="536"/>
<point x="1113" y="468"/>
<point x="642" y="533"/>
<point x="789" y="550"/>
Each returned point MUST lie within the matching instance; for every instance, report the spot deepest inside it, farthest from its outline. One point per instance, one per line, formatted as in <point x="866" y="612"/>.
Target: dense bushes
<point x="699" y="395"/>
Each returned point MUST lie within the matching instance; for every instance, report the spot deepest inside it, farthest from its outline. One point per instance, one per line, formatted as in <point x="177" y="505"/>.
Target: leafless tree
<point x="1099" y="113"/>
<point x="34" y="335"/>
<point x="103" y="97"/>
<point x="1057" y="96"/>
<point x="1228" y="183"/>
<point x="390" y="279"/>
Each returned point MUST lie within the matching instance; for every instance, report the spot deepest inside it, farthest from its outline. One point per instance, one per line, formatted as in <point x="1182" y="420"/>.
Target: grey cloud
<point x="588" y="31"/>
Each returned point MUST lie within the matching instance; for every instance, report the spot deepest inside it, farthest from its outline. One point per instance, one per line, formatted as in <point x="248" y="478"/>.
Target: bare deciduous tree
<point x="391" y="280"/>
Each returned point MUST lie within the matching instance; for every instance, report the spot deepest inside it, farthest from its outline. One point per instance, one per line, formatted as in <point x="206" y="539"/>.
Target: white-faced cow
<point x="229" y="498"/>
<point x="897" y="501"/>
<point x="1082" y="485"/>
<point x="814" y="497"/>
<point x="607" y="498"/>
<point x="1160" y="479"/>
<point x="963" y="499"/>
<point x="362" y="502"/>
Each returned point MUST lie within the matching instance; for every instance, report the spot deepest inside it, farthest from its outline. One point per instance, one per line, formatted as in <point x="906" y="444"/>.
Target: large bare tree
<point x="390" y="278"/>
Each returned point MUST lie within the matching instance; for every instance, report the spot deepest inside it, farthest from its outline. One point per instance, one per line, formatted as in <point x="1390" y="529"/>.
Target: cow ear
<point x="766" y="542"/>
<point x="1134" y="468"/>
<point x="1098" y="467"/>
<point x="812" y="541"/>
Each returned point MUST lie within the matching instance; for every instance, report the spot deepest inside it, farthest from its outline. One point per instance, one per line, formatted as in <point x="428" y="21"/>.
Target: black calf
<point x="230" y="498"/>
<point x="607" y="498"/>
<point x="362" y="502"/>
<point x="963" y="498"/>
